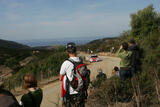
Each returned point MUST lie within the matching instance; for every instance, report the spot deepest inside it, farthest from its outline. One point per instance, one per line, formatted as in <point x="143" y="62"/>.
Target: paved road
<point x="51" y="97"/>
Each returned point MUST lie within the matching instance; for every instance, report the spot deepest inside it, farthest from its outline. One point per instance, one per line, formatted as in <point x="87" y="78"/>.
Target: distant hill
<point x="102" y="40"/>
<point x="11" y="44"/>
<point x="104" y="44"/>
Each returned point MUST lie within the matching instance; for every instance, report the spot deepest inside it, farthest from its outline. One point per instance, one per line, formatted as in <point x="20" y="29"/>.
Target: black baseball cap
<point x="71" y="47"/>
<point x="132" y="41"/>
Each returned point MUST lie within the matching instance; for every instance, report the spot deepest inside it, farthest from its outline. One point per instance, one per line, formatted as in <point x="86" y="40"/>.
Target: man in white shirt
<point x="69" y="95"/>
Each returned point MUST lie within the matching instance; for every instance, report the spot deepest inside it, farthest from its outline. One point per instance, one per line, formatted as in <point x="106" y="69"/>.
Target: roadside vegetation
<point x="143" y="90"/>
<point x="44" y="64"/>
<point x="10" y="57"/>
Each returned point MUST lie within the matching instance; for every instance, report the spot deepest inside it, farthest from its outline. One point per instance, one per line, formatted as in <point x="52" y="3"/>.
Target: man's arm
<point x="62" y="71"/>
<point x="66" y="69"/>
<point x="60" y="77"/>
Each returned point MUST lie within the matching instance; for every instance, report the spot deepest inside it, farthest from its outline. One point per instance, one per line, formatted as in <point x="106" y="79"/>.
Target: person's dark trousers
<point x="133" y="71"/>
<point x="76" y="100"/>
<point x="124" y="74"/>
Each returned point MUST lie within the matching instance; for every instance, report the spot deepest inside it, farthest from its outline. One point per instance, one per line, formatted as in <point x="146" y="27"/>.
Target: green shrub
<point x="144" y="88"/>
<point x="45" y="65"/>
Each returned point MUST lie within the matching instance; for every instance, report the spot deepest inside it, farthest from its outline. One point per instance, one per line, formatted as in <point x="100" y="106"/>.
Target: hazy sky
<point x="42" y="19"/>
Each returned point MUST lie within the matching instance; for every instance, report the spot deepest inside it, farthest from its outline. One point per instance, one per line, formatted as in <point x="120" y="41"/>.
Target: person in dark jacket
<point x="101" y="75"/>
<point x="135" y="59"/>
<point x="7" y="99"/>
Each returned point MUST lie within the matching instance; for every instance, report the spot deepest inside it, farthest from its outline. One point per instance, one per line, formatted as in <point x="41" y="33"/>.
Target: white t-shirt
<point x="67" y="70"/>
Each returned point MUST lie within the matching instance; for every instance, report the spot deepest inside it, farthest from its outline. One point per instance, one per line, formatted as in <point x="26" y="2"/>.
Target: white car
<point x="94" y="58"/>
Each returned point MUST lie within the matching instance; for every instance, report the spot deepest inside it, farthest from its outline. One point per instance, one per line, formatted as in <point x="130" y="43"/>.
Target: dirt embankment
<point x="5" y="71"/>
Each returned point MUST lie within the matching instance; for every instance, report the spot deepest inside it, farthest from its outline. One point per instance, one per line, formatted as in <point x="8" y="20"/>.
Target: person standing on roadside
<point x="7" y="99"/>
<point x="71" y="97"/>
<point x="125" y="63"/>
<point x="34" y="96"/>
<point x="135" y="59"/>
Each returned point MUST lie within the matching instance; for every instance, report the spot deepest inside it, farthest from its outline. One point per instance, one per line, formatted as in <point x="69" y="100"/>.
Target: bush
<point x="144" y="88"/>
<point x="45" y="65"/>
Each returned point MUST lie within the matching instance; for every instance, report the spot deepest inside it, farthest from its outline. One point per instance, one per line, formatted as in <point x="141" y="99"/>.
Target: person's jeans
<point x="124" y="74"/>
<point x="133" y="71"/>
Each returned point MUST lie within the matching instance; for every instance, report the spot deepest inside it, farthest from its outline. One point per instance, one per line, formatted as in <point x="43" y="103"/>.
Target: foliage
<point x="11" y="57"/>
<point x="111" y="91"/>
<point x="105" y="44"/>
<point x="143" y="89"/>
<point x="45" y="64"/>
<point x="144" y="22"/>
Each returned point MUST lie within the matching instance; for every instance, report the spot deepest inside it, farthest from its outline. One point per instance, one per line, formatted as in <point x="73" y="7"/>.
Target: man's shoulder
<point x="25" y="96"/>
<point x="67" y="62"/>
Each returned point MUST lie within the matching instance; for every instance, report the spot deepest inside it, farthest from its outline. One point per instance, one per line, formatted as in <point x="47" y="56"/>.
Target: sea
<point x="58" y="41"/>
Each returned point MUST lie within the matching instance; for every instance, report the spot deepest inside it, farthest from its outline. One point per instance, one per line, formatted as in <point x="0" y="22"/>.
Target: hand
<point x="60" y="77"/>
<point x="121" y="47"/>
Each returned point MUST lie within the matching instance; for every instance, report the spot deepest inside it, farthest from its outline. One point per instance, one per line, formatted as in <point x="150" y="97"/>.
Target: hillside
<point x="11" y="44"/>
<point x="102" y="40"/>
<point x="11" y="53"/>
<point x="104" y="44"/>
<point x="143" y="89"/>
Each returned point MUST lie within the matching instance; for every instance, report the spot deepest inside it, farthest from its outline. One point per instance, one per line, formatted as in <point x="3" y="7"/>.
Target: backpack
<point x="81" y="76"/>
<point x="7" y="99"/>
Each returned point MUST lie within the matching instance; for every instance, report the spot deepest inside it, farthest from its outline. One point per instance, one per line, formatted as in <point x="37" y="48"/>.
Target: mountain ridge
<point x="12" y="44"/>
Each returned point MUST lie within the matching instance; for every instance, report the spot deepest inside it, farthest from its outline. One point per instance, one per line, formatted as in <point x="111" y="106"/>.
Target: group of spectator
<point x="129" y="53"/>
<point x="69" y="75"/>
<point x="71" y="97"/>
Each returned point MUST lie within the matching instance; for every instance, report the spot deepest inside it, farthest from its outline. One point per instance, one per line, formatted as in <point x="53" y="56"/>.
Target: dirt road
<point x="106" y="65"/>
<point x="51" y="92"/>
